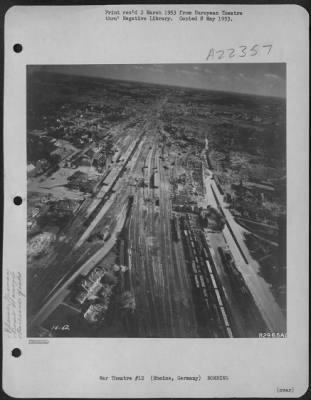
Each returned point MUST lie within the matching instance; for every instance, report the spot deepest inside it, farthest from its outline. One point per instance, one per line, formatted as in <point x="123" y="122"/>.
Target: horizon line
<point x="146" y="82"/>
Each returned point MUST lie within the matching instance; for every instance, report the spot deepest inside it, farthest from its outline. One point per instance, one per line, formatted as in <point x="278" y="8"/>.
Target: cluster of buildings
<point x="236" y="115"/>
<point x="45" y="152"/>
<point x="64" y="207"/>
<point x="38" y="168"/>
<point x="37" y="206"/>
<point x="32" y="218"/>
<point x="182" y="189"/>
<point x="53" y="210"/>
<point x="188" y="185"/>
<point x="82" y="181"/>
<point x="94" y="294"/>
<point x="197" y="175"/>
<point x="253" y="192"/>
<point x="212" y="219"/>
<point x="90" y="285"/>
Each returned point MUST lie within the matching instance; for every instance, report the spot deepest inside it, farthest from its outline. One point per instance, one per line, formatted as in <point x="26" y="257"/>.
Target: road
<point x="249" y="267"/>
<point x="242" y="326"/>
<point x="63" y="290"/>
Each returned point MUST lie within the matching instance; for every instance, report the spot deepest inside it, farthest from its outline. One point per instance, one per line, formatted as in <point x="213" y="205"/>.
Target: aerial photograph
<point x="156" y="200"/>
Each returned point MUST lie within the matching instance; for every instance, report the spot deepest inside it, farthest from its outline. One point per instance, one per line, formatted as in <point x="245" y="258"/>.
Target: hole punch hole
<point x="17" y="48"/>
<point x="17" y="200"/>
<point x="16" y="352"/>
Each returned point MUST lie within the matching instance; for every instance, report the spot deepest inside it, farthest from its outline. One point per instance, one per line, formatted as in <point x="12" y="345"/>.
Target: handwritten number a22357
<point x="242" y="51"/>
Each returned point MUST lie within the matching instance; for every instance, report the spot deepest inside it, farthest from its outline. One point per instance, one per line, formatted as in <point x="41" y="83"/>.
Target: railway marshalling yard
<point x="152" y="251"/>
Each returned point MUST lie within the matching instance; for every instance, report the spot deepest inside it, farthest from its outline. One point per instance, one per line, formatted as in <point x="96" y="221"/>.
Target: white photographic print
<point x="156" y="206"/>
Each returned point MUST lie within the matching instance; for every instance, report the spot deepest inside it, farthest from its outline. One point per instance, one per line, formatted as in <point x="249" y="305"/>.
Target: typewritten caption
<point x="171" y="15"/>
<point x="164" y="378"/>
<point x="13" y="296"/>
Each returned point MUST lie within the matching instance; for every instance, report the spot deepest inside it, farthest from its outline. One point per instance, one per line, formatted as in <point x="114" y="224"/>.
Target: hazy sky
<point x="260" y="79"/>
